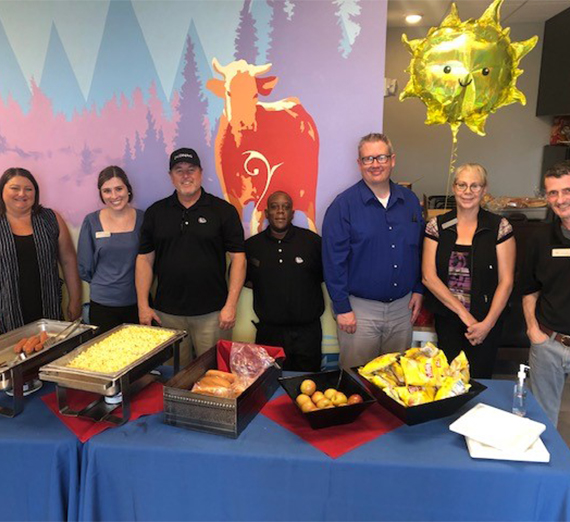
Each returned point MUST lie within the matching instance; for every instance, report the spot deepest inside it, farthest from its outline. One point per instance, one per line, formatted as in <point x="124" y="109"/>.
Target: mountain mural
<point x="124" y="61"/>
<point x="59" y="82"/>
<point x="13" y="85"/>
<point x="128" y="119"/>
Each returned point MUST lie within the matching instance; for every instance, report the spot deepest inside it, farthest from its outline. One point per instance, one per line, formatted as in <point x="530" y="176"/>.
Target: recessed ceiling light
<point x="413" y="18"/>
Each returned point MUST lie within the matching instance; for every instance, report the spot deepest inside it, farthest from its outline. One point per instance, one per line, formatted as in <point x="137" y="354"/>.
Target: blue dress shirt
<point x="370" y="251"/>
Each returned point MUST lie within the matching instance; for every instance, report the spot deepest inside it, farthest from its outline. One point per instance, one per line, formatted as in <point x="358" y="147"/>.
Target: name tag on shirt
<point x="561" y="252"/>
<point x="448" y="224"/>
<point x="102" y="234"/>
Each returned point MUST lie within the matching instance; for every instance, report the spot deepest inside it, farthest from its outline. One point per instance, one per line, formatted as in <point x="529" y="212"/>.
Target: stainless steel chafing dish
<point x="126" y="381"/>
<point x="16" y="370"/>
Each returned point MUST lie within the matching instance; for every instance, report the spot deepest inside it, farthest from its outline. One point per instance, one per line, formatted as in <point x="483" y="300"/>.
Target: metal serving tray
<point x="126" y="381"/>
<point x="14" y="370"/>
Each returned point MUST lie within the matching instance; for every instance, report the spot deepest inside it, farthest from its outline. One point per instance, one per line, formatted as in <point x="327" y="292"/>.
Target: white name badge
<point x="102" y="234"/>
<point x="561" y="252"/>
<point x="450" y="223"/>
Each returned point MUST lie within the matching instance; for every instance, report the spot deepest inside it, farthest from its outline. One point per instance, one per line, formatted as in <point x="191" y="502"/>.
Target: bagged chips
<point x="418" y="376"/>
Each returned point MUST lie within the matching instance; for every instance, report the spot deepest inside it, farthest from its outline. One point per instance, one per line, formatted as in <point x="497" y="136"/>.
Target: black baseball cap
<point x="186" y="156"/>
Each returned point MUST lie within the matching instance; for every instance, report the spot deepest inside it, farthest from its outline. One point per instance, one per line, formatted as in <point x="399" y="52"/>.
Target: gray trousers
<point x="203" y="333"/>
<point x="549" y="367"/>
<point x="380" y="328"/>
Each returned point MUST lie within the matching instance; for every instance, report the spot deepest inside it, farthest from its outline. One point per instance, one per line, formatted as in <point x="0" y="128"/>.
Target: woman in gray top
<point x="107" y="251"/>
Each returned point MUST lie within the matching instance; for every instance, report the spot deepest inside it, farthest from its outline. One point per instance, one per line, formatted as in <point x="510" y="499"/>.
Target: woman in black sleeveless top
<point x="468" y="269"/>
<point x="33" y="240"/>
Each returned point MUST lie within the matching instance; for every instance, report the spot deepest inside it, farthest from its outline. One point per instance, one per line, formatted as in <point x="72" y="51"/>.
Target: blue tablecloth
<point x="147" y="470"/>
<point x="39" y="459"/>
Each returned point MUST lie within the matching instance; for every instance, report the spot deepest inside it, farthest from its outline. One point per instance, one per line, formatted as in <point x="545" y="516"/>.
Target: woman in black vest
<point x="468" y="269"/>
<point x="32" y="241"/>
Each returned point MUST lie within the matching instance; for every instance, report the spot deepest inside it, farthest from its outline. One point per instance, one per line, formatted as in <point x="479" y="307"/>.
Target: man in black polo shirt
<point x="546" y="302"/>
<point x="285" y="271"/>
<point x="184" y="241"/>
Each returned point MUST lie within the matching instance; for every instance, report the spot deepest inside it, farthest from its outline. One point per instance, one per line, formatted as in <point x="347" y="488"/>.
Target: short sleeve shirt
<point x="546" y="270"/>
<point x="190" y="246"/>
<point x="107" y="261"/>
<point x="505" y="230"/>
<point x="286" y="276"/>
<point x="459" y="273"/>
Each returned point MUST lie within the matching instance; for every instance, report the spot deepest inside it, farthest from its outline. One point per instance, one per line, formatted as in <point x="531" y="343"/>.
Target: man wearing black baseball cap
<point x="184" y="241"/>
<point x="184" y="156"/>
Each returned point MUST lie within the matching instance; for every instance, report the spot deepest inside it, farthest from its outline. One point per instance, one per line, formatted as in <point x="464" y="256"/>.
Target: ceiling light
<point x="413" y="18"/>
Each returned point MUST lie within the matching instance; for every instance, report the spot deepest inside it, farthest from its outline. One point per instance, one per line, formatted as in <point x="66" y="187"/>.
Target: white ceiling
<point x="512" y="11"/>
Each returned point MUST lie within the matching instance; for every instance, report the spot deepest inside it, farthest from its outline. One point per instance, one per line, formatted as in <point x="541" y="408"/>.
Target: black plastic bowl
<point x="422" y="412"/>
<point x="340" y="380"/>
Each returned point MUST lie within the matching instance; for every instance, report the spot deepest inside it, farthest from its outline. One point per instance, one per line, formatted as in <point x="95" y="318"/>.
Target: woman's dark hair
<point x="114" y="172"/>
<point x="12" y="173"/>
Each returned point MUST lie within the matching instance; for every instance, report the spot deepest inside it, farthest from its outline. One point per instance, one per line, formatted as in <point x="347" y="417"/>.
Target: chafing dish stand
<point x="128" y="383"/>
<point x="15" y="371"/>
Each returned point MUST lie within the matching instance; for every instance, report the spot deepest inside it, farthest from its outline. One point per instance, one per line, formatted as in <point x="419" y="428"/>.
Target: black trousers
<point x="107" y="317"/>
<point x="451" y="339"/>
<point x="302" y="344"/>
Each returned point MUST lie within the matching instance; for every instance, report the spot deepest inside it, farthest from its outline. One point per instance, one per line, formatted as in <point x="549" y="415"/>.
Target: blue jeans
<point x="549" y="367"/>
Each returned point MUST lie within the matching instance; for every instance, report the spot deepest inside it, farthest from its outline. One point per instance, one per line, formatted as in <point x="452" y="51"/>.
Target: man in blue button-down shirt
<point x="372" y="239"/>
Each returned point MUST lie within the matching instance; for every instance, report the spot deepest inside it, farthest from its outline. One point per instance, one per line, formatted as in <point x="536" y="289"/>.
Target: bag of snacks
<point x="418" y="376"/>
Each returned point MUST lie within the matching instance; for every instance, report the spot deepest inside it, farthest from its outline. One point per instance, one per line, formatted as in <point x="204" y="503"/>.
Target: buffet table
<point x="40" y="464"/>
<point x="147" y="470"/>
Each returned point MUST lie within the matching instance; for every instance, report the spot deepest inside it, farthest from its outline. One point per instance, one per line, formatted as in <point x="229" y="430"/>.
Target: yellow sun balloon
<point x="464" y="71"/>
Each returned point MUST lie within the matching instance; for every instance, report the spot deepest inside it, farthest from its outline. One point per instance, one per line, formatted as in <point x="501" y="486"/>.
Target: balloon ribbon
<point x="452" y="159"/>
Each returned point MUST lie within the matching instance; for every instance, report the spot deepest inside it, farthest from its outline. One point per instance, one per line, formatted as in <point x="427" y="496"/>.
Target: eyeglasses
<point x="382" y="159"/>
<point x="474" y="187"/>
<point x="553" y="194"/>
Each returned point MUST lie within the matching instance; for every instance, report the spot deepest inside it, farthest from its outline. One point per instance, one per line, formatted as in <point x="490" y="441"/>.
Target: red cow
<point x="263" y="147"/>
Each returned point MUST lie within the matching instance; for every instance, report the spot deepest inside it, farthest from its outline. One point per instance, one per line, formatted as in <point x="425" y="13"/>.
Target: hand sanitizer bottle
<point x="519" y="392"/>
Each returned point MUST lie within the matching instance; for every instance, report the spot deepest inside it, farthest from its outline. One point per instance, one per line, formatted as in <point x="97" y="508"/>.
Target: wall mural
<point x="279" y="137"/>
<point x="273" y="94"/>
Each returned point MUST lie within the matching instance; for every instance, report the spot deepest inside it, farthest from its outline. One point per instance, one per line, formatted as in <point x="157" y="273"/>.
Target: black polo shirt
<point x="286" y="275"/>
<point x="547" y="270"/>
<point x="190" y="248"/>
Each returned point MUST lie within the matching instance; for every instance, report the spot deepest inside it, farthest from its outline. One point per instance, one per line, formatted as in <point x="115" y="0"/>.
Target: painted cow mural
<point x="263" y="147"/>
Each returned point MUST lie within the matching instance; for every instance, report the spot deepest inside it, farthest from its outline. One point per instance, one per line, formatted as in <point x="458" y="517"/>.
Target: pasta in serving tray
<point x="119" y="349"/>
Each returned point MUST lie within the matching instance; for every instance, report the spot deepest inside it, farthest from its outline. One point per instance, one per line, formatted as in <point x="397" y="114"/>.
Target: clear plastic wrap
<point x="248" y="361"/>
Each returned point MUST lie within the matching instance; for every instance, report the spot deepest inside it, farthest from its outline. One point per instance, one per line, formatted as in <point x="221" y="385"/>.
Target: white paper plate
<point x="498" y="428"/>
<point x="536" y="453"/>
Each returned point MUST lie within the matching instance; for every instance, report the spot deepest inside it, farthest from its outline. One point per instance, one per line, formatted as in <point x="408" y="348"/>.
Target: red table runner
<point x="146" y="402"/>
<point x="335" y="440"/>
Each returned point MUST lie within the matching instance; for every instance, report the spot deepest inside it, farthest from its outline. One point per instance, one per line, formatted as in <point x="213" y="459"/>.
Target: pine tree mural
<point x="194" y="129"/>
<point x="127" y="157"/>
<point x="87" y="160"/>
<point x="309" y="78"/>
<point x="246" y="40"/>
<point x="192" y="106"/>
<point x="149" y="168"/>
<point x="349" y="10"/>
